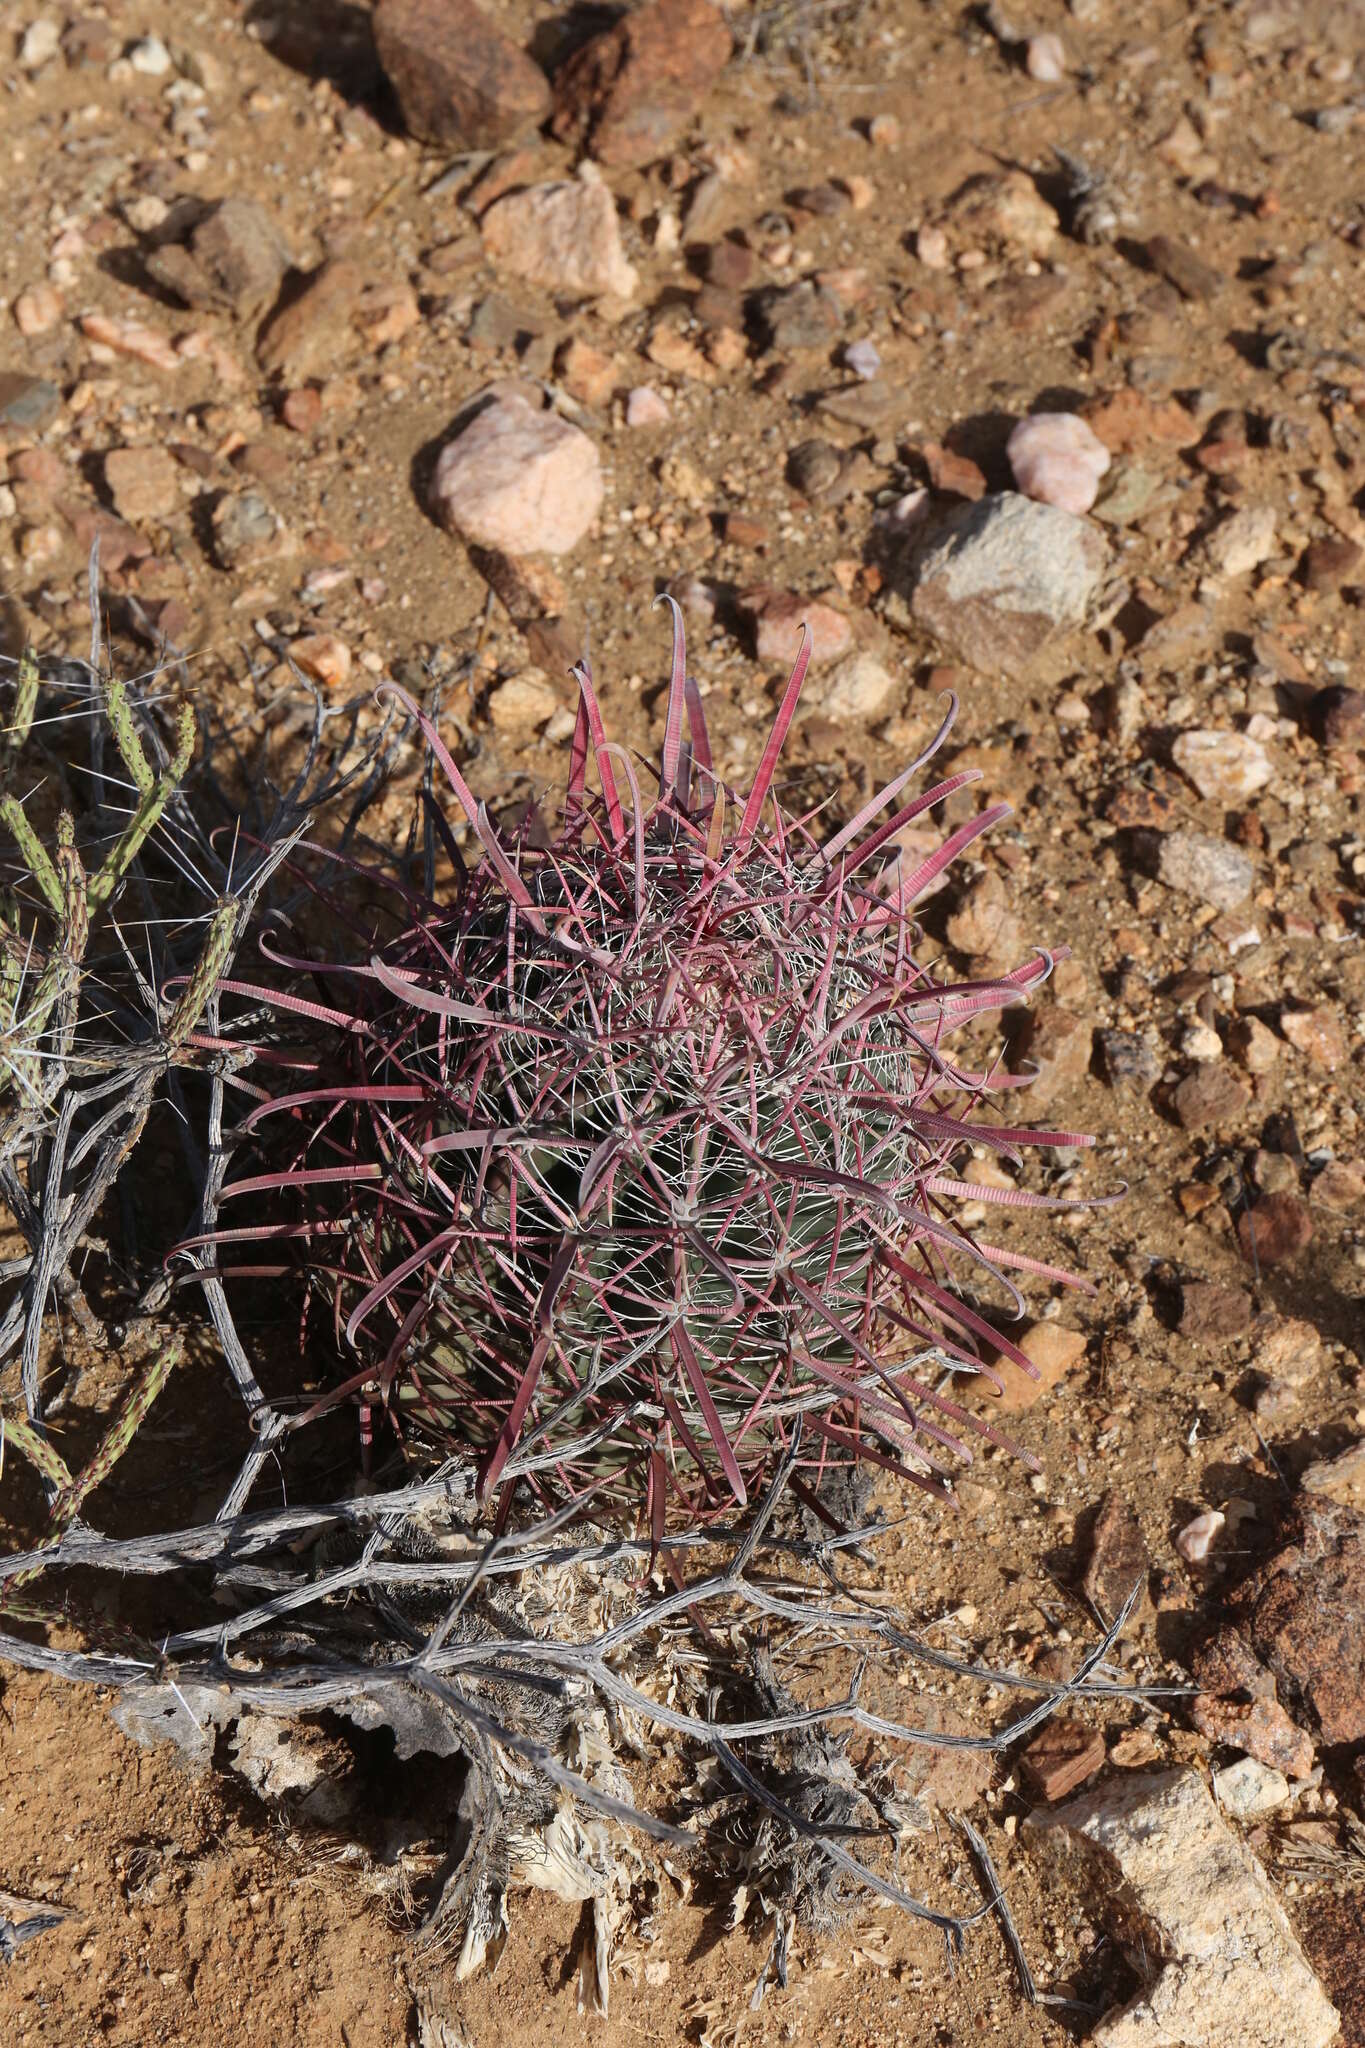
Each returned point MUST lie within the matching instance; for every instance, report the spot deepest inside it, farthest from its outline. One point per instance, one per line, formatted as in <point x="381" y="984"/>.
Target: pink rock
<point x="1197" y="1538"/>
<point x="522" y="481"/>
<point x="1045" y="59"/>
<point x="778" y="617"/>
<point x="565" y="237"/>
<point x="645" y="408"/>
<point x="1058" y="460"/>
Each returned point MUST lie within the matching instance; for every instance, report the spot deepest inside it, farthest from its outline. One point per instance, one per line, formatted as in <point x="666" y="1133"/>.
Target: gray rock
<point x="29" y="403"/>
<point x="233" y="260"/>
<point x="1183" y="1891"/>
<point x="1004" y="576"/>
<point x="1198" y="865"/>
<point x="797" y="316"/>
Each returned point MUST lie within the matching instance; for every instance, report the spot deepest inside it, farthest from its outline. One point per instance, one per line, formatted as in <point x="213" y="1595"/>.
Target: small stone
<point x="645" y="408"/>
<point x="931" y="246"/>
<point x="523" y="703"/>
<point x="37" y="310"/>
<point x="144" y="483"/>
<point x="519" y="480"/>
<point x="150" y="57"/>
<point x="797" y="316"/>
<point x="984" y="924"/>
<point x="587" y="374"/>
<point x="1059" y="1046"/>
<point x="1248" y="1790"/>
<point x="1211" y="1095"/>
<point x="1330" y="562"/>
<point x="729" y="266"/>
<point x="1336" y="716"/>
<point x="1135" y="1749"/>
<point x="1254" y="1044"/>
<point x="247" y="531"/>
<point x="1260" y="1728"/>
<point x="131" y="338"/>
<point x="1008" y="210"/>
<point x="1129" y="422"/>
<point x="1127" y="1060"/>
<point x="1208" y="868"/>
<point x="1288" y="1348"/>
<point x="1212" y="1313"/>
<point x="1317" y="1034"/>
<point x="1201" y="1042"/>
<point x="1057" y="460"/>
<point x="323" y="657"/>
<point x="954" y="475"/>
<point x="301" y="410"/>
<point x="27" y="403"/>
<point x="1194" y="1910"/>
<point x="1225" y="767"/>
<point x="814" y="467"/>
<point x="1045" y="59"/>
<point x="1061" y="1756"/>
<point x="1118" y="1558"/>
<point x="1197" y="1538"/>
<point x="998" y="580"/>
<point x="1053" y="1349"/>
<point x="634" y="88"/>
<point x="1338" y="1186"/>
<point x="564" y="236"/>
<point x="860" y="688"/>
<point x="778" y="617"/>
<point x="864" y="359"/>
<point x="39" y="43"/>
<point x="1341" y="1478"/>
<point x="1242" y="542"/>
<point x="233" y="260"/>
<point x="884" y="131"/>
<point x="459" y="81"/>
<point x="1192" y="277"/>
<point x="310" y="328"/>
<point x="1278" y="1228"/>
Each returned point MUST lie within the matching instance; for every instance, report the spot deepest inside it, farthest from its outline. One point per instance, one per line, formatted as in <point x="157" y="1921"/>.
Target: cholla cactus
<point x="637" y="1149"/>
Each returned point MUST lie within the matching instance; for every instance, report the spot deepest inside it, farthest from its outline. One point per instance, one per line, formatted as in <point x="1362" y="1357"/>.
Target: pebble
<point x="301" y="410"/>
<point x="952" y="474"/>
<point x="523" y="702"/>
<point x="864" y="359"/>
<point x="564" y="236"/>
<point x="1278" y="1228"/>
<point x="459" y="81"/>
<point x="1061" y="1757"/>
<point x="1058" y="460"/>
<point x="1127" y="1059"/>
<point x="1336" y="715"/>
<point x="37" y="310"/>
<point x="131" y="338"/>
<point x="1198" y="1537"/>
<point x="1259" y="1727"/>
<point x="645" y="408"/>
<point x="998" y="580"/>
<point x="27" y="403"/>
<point x="1053" y="1349"/>
<point x="232" y="259"/>
<point x="150" y="57"/>
<point x="144" y="483"/>
<point x="587" y="374"/>
<point x="860" y="688"/>
<point x="984" y="924"/>
<point x="814" y="467"/>
<point x="931" y="246"/>
<point x="1225" y="767"/>
<point x="778" y="616"/>
<point x="1317" y="1034"/>
<point x="1198" y="865"/>
<point x="1194" y="1911"/>
<point x="1045" y="59"/>
<point x="1330" y="562"/>
<point x="1248" y="1790"/>
<point x="304" y="335"/>
<point x="633" y="89"/>
<point x="1181" y="266"/>
<point x="1213" y="1094"/>
<point x="1118" y="1559"/>
<point x="797" y="316"/>
<point x="519" y="480"/>
<point x="1341" y="1478"/>
<point x="322" y="656"/>
<point x="39" y="43"/>
<point x="1213" y="1313"/>
<point x="1339" y="1186"/>
<point x="1287" y="1347"/>
<point x="1059" y="1045"/>
<point x="1007" y="209"/>
<point x="1242" y="541"/>
<point x="247" y="531"/>
<point x="1255" y="1045"/>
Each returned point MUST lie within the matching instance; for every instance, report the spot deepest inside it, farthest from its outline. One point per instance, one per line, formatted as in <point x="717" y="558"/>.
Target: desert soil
<point x="842" y="136"/>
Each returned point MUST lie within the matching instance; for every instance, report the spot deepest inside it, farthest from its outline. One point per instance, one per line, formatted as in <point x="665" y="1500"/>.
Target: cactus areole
<point x="627" y="1165"/>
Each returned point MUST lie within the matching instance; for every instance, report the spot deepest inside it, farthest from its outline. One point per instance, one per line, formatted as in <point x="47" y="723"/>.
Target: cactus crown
<point x="628" y="1166"/>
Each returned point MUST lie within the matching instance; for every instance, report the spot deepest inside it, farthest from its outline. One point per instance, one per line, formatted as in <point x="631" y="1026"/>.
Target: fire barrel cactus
<point x="628" y="1166"/>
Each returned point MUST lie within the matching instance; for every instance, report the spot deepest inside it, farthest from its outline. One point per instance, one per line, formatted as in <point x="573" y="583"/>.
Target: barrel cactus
<point x="627" y="1165"/>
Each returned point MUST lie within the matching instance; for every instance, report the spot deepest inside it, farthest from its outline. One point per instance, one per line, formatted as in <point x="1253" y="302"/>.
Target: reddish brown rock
<point x="1304" y="1610"/>
<point x="1059" y="1046"/>
<point x="778" y="617"/>
<point x="1330" y="562"/>
<point x="311" y="326"/>
<point x="1128" y="422"/>
<point x="634" y="88"/>
<point x="1317" y="1034"/>
<point x="1212" y="1094"/>
<point x="1260" y="1728"/>
<point x="1278" y="1228"/>
<point x="1118" y="1557"/>
<point x="460" y="82"/>
<point x="956" y="475"/>
<point x="1052" y="1349"/>
<point x="1336" y="716"/>
<point x="1211" y="1313"/>
<point x="1061" y="1756"/>
<point x="144" y="483"/>
<point x="1225" y="1663"/>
